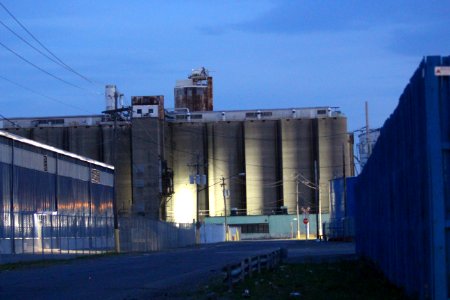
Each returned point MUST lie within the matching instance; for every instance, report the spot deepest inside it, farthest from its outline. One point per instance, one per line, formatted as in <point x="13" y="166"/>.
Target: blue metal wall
<point x="403" y="199"/>
<point x="52" y="199"/>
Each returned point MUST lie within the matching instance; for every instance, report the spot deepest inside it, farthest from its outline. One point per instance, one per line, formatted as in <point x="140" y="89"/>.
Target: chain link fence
<point x="50" y="233"/>
<point x="138" y="234"/>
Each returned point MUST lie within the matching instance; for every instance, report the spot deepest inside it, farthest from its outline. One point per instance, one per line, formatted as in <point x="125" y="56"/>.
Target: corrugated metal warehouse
<point x="53" y="200"/>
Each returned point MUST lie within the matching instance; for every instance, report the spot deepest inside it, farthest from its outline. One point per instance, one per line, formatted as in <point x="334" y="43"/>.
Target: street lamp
<point x="223" y="184"/>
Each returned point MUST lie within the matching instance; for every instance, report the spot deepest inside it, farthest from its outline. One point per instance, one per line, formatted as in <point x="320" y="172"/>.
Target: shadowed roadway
<point x="156" y="275"/>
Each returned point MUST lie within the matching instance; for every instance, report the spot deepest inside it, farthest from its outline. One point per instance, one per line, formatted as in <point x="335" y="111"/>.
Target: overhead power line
<point x="42" y="53"/>
<point x="39" y="68"/>
<point x="40" y="94"/>
<point x="58" y="60"/>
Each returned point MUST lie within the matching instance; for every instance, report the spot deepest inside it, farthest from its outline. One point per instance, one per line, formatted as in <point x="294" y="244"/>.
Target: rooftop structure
<point x="196" y="92"/>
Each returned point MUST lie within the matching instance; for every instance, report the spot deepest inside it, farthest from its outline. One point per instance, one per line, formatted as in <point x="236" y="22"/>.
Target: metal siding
<point x="106" y="179"/>
<point x="401" y="218"/>
<point x="102" y="197"/>
<point x="32" y="160"/>
<point x="34" y="191"/>
<point x="5" y="187"/>
<point x="5" y="154"/>
<point x="73" y="197"/>
<point x="337" y="205"/>
<point x="73" y="170"/>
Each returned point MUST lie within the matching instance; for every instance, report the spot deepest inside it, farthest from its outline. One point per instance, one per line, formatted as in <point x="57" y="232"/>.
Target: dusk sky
<point x="262" y="54"/>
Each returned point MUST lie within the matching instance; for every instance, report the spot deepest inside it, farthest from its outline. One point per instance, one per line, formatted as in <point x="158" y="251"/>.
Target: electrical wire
<point x="59" y="61"/>
<point x="39" y="68"/>
<point x="40" y="94"/>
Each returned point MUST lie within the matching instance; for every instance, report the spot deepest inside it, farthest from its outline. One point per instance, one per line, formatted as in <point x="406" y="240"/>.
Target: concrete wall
<point x="146" y="136"/>
<point x="280" y="226"/>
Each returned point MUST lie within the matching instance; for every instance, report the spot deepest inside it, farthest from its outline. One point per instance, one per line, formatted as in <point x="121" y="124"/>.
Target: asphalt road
<point x="158" y="275"/>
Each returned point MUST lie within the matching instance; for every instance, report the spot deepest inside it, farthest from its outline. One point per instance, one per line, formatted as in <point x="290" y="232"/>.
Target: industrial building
<point x="367" y="141"/>
<point x="52" y="199"/>
<point x="183" y="164"/>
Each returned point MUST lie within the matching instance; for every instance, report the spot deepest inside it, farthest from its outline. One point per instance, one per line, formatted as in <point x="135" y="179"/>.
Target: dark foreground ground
<point x="335" y="279"/>
<point x="162" y="275"/>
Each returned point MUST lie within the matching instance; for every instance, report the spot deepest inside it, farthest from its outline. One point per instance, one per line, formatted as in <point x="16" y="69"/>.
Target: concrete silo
<point x="297" y="138"/>
<point x="333" y="151"/>
<point x="262" y="166"/>
<point x="226" y="159"/>
<point x="187" y="159"/>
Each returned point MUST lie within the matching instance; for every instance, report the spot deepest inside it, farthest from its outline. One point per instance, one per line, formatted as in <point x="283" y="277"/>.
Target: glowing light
<point x="184" y="205"/>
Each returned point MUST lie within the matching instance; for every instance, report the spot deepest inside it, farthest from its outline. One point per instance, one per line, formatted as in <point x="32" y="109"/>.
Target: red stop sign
<point x="305" y="221"/>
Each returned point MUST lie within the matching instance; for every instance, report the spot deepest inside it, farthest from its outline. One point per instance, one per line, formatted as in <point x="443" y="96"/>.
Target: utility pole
<point x="197" y="167"/>
<point x="344" y="181"/>
<point x="223" y="185"/>
<point x="114" y="115"/>
<point x="114" y="150"/>
<point x="319" y="209"/>
<point x="369" y="147"/>
<point x="298" y="213"/>
<point x="197" y="179"/>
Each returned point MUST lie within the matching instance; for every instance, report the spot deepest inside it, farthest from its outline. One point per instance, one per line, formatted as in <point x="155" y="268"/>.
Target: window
<point x="45" y="163"/>
<point x="95" y="176"/>
<point x="261" y="114"/>
<point x="253" y="228"/>
<point x="139" y="111"/>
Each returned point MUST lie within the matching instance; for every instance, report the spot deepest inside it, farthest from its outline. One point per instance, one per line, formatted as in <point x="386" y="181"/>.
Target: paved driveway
<point x="146" y="276"/>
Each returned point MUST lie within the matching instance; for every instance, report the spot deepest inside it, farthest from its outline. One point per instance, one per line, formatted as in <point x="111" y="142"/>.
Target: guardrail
<point x="248" y="266"/>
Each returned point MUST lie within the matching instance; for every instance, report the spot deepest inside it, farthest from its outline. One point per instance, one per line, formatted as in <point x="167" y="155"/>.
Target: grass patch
<point x="337" y="280"/>
<point x="50" y="262"/>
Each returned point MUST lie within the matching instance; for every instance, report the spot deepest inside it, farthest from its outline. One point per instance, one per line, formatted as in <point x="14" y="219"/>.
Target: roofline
<point x="53" y="149"/>
<point x="54" y="117"/>
<point x="171" y="110"/>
